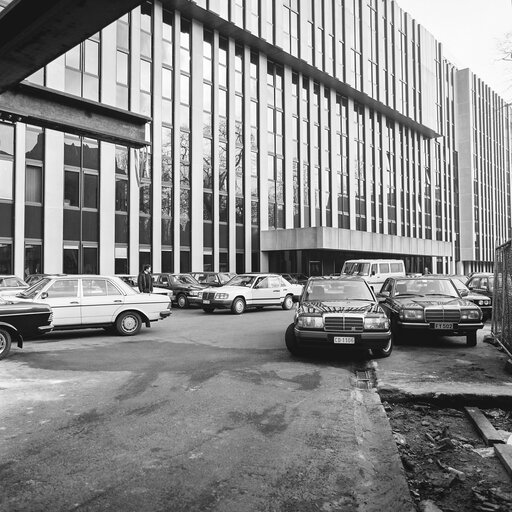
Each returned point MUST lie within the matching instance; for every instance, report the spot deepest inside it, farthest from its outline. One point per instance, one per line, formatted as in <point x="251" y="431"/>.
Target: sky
<point x="470" y="31"/>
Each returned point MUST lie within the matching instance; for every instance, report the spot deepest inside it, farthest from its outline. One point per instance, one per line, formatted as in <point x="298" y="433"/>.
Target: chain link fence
<point x="501" y="326"/>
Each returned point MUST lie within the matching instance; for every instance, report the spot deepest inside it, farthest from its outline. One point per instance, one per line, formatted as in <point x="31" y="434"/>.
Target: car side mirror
<point x="44" y="295"/>
<point x="464" y="293"/>
<point x="383" y="294"/>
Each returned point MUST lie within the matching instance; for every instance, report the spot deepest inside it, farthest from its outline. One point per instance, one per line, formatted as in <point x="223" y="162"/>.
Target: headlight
<point x="221" y="296"/>
<point x="200" y="295"/>
<point x="310" y="322"/>
<point x="412" y="314"/>
<point x="470" y="314"/>
<point x="193" y="294"/>
<point x="487" y="302"/>
<point x="376" y="322"/>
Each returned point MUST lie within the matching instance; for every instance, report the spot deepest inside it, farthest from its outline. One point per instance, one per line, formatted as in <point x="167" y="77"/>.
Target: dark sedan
<point x="185" y="289"/>
<point x="341" y="312"/>
<point x="214" y="279"/>
<point x="20" y="321"/>
<point x="431" y="304"/>
<point x="482" y="301"/>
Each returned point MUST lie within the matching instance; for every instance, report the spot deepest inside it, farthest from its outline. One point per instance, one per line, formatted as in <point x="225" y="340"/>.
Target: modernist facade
<point x="282" y="135"/>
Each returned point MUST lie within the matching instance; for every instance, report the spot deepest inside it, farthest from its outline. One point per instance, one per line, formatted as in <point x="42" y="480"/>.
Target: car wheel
<point x="471" y="339"/>
<point x="291" y="340"/>
<point x="384" y="352"/>
<point x="128" y="323"/>
<point x="287" y="302"/>
<point x="182" y="301"/>
<point x="5" y="343"/>
<point x="208" y="309"/>
<point x="238" y="306"/>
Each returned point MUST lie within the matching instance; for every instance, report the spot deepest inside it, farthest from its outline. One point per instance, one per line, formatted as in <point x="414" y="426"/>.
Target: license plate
<point x="206" y="301"/>
<point x="443" y="325"/>
<point x="344" y="340"/>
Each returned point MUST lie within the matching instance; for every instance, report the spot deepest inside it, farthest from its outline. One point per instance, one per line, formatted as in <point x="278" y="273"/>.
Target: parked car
<point x="33" y="278"/>
<point x="431" y="304"/>
<point x="481" y="282"/>
<point x="10" y="285"/>
<point x="132" y="281"/>
<point x="296" y="278"/>
<point x="20" y="321"/>
<point x="375" y="272"/>
<point x="185" y="289"/>
<point x="250" y="291"/>
<point x="212" y="278"/>
<point x="482" y="301"/>
<point x="340" y="311"/>
<point x="83" y="301"/>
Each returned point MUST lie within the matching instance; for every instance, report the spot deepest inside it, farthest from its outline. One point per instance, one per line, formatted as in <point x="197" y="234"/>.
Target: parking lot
<point x="200" y="412"/>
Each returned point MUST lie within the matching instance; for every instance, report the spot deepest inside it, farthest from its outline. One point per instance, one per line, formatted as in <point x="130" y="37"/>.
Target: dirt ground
<point x="447" y="462"/>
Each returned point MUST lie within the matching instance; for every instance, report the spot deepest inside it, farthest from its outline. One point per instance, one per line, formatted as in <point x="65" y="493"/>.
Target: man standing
<point x="145" y="281"/>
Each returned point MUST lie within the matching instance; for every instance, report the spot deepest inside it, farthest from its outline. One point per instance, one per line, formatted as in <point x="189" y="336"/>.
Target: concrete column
<point x="107" y="208"/>
<point x="53" y="201"/>
<point x="196" y="153"/>
<point x="288" y="162"/>
<point x="350" y="163"/>
<point x="231" y="157"/>
<point x="19" y="200"/>
<point x="247" y="156"/>
<point x="108" y="75"/>
<point x="263" y="152"/>
<point x="176" y="188"/>
<point x="333" y="123"/>
<point x="215" y="152"/>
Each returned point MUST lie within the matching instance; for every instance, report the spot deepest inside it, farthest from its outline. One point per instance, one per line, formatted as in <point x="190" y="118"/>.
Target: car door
<point x="262" y="293"/>
<point x="101" y="300"/>
<point x="63" y="297"/>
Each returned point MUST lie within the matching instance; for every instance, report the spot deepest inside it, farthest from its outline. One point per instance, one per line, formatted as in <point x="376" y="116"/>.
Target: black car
<point x="482" y="301"/>
<point x="214" y="279"/>
<point x="431" y="304"/>
<point x="185" y="289"/>
<point x="340" y="312"/>
<point x="20" y="321"/>
<point x="481" y="282"/>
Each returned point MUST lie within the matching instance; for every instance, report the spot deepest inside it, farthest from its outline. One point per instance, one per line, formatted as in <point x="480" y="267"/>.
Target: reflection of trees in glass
<point x="184" y="209"/>
<point x="145" y="199"/>
<point x="166" y="154"/>
<point x="166" y="201"/>
<point x="223" y="169"/>
<point x="207" y="206"/>
<point x="121" y="160"/>
<point x="207" y="164"/>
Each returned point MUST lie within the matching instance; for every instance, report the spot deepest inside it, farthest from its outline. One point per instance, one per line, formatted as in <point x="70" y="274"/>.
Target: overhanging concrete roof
<point x="35" y="32"/>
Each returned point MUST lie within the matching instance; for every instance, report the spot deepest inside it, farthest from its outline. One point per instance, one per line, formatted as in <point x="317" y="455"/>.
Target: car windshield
<point x="459" y="285"/>
<point x="336" y="290"/>
<point x="426" y="287"/>
<point x="357" y="269"/>
<point x="242" y="281"/>
<point x="31" y="292"/>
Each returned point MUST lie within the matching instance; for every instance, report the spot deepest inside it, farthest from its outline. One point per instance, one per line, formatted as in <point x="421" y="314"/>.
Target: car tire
<point x="208" y="309"/>
<point x="238" y="306"/>
<point x="182" y="301"/>
<point x="291" y="340"/>
<point x="5" y="343"/>
<point x="383" y="352"/>
<point x="471" y="339"/>
<point x="128" y="323"/>
<point x="287" y="303"/>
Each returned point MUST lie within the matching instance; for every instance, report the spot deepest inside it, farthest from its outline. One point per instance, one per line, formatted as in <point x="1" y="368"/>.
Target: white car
<point x="10" y="285"/>
<point x="83" y="301"/>
<point x="250" y="291"/>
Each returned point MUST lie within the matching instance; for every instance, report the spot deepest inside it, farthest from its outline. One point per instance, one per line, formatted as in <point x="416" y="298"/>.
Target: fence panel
<point x="502" y="297"/>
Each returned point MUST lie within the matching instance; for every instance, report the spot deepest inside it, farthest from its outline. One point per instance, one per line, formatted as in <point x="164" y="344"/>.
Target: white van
<point x="374" y="272"/>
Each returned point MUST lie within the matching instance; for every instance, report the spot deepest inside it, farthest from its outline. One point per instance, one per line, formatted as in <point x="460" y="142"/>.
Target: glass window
<point x="91" y="154"/>
<point x="122" y="68"/>
<point x="63" y="288"/>
<point x="121" y="160"/>
<point x="34" y="144"/>
<point x="71" y="188"/>
<point x="90" y="264"/>
<point x="6" y="139"/>
<point x="73" y="58"/>
<point x="91" y="64"/>
<point x="6" y="180"/>
<point x="121" y="195"/>
<point x="34" y="184"/>
<point x="90" y="191"/>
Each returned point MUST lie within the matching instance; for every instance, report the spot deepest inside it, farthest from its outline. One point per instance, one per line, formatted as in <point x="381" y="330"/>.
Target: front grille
<point x="208" y="295"/>
<point x="442" y="315"/>
<point x="343" y="323"/>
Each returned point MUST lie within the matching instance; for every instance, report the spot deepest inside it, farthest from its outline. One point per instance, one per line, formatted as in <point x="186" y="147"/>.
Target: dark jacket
<point x="145" y="282"/>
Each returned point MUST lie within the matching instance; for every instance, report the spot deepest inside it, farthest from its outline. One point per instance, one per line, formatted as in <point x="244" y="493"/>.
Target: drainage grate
<point x="365" y="379"/>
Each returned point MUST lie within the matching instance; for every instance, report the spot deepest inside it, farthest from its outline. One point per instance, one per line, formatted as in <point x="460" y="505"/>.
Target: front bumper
<point x="194" y="301"/>
<point x="165" y="313"/>
<point x="362" y="340"/>
<point x="216" y="303"/>
<point x="457" y="329"/>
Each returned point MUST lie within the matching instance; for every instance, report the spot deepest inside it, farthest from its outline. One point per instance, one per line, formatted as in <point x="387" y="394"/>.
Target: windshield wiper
<point x="442" y="295"/>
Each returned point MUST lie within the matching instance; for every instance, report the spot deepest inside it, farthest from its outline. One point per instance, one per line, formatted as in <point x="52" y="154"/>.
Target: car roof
<point x="430" y="277"/>
<point x="481" y="274"/>
<point x="337" y="278"/>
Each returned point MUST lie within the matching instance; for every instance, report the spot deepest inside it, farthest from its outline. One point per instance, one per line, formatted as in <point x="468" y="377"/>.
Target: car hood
<point x="19" y="306"/>
<point x="432" y="300"/>
<point x="227" y="289"/>
<point x="342" y="306"/>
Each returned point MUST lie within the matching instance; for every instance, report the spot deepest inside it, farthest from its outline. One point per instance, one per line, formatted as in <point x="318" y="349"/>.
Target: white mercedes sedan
<point x="84" y="301"/>
<point x="250" y="291"/>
